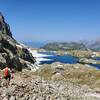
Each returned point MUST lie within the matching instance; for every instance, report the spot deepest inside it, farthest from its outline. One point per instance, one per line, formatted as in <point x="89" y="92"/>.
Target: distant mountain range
<point x="95" y="45"/>
<point x="80" y="45"/>
<point x="64" y="46"/>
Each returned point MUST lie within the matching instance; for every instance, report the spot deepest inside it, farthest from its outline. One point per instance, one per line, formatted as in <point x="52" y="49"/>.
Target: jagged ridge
<point x="12" y="54"/>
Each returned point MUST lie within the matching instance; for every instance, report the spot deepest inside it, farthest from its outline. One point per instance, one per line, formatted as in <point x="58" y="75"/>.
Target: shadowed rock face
<point x="4" y="27"/>
<point x="12" y="54"/>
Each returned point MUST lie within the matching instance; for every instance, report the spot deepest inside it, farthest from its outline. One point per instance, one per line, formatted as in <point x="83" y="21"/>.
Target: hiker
<point x="7" y="76"/>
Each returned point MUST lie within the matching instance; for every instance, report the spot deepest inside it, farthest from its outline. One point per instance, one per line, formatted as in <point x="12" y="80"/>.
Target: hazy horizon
<point x="52" y="20"/>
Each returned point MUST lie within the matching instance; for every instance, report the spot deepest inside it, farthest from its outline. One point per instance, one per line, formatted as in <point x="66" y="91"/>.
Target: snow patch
<point x="39" y="57"/>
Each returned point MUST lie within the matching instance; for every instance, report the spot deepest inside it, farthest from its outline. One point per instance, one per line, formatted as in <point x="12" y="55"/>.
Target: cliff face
<point x="12" y="54"/>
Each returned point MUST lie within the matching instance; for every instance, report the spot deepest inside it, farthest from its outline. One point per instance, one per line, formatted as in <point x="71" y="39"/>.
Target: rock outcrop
<point x="12" y="54"/>
<point x="88" y="61"/>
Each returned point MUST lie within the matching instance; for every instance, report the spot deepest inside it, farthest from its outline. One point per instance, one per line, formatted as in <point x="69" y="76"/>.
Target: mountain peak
<point x="4" y="27"/>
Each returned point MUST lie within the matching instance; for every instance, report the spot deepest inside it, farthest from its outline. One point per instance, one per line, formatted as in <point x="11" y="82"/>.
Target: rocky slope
<point x="54" y="82"/>
<point x="12" y="54"/>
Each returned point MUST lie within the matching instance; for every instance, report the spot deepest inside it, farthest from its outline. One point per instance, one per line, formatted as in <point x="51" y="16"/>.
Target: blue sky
<point x="52" y="20"/>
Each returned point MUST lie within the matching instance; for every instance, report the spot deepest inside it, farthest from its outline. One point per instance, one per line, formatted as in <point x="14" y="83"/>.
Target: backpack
<point x="6" y="72"/>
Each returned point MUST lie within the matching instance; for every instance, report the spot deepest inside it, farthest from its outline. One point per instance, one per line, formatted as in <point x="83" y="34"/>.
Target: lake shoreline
<point x="49" y="57"/>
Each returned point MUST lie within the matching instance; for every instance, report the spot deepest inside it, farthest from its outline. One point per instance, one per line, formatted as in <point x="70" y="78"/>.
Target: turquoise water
<point x="63" y="59"/>
<point x="67" y="59"/>
<point x="55" y="58"/>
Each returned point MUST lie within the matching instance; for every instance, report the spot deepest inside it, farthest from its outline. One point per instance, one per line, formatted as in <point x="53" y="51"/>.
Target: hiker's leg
<point x="9" y="78"/>
<point x="6" y="82"/>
